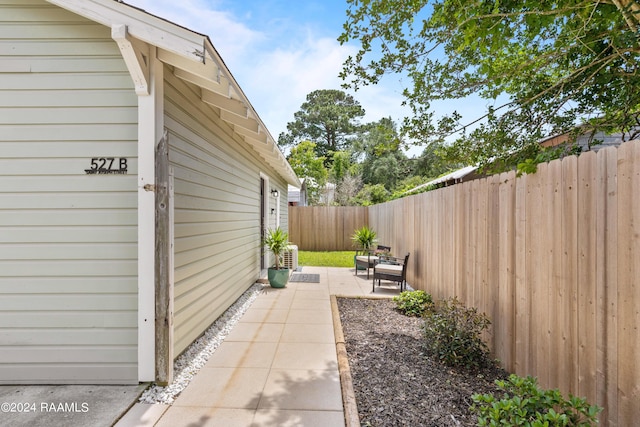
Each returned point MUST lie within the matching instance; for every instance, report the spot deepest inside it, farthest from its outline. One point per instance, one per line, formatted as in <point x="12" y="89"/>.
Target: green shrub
<point x="452" y="333"/>
<point x="525" y="404"/>
<point x="414" y="303"/>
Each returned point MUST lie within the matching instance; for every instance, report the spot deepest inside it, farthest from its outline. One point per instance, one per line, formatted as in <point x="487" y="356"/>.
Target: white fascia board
<point x="141" y="25"/>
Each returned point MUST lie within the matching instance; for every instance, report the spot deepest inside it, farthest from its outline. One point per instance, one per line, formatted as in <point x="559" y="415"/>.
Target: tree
<point x="341" y="166"/>
<point x="306" y="164"/>
<point x="372" y="194"/>
<point x="559" y="64"/>
<point x="347" y="190"/>
<point x="378" y="139"/>
<point x="328" y="118"/>
<point x="384" y="163"/>
<point x="387" y="170"/>
<point x="431" y="163"/>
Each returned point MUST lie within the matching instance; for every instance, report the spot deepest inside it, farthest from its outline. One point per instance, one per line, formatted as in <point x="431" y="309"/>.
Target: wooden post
<point x="164" y="299"/>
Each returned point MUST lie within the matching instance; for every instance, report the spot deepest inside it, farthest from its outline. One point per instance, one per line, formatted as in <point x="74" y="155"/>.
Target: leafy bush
<point x="414" y="303"/>
<point x="525" y="404"/>
<point x="452" y="334"/>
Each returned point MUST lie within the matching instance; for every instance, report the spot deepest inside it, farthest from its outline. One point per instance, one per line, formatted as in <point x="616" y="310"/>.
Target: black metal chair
<point x="369" y="258"/>
<point x="393" y="269"/>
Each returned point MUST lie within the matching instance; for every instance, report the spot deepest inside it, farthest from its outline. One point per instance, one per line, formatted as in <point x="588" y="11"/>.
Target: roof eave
<point x="200" y="64"/>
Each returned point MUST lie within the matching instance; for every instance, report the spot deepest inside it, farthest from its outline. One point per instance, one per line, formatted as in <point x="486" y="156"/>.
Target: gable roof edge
<point x="196" y="48"/>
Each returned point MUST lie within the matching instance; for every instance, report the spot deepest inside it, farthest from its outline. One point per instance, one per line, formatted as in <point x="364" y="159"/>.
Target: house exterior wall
<point x="217" y="211"/>
<point x="68" y="239"/>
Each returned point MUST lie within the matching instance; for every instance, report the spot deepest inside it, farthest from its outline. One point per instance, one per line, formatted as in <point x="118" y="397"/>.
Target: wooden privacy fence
<point x="553" y="258"/>
<point x="323" y="228"/>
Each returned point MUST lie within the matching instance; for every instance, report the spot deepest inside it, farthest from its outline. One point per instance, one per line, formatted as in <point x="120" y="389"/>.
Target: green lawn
<point x="326" y="259"/>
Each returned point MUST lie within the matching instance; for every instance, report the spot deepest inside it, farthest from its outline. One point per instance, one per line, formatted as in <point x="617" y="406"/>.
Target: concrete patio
<point x="278" y="366"/>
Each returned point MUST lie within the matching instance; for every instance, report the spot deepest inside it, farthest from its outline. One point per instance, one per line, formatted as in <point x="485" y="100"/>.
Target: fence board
<point x="567" y="282"/>
<point x="557" y="310"/>
<point x="505" y="335"/>
<point x="553" y="224"/>
<point x="586" y="225"/>
<point x="536" y="234"/>
<point x="465" y="250"/>
<point x="607" y="341"/>
<point x="628" y="290"/>
<point x="480" y="237"/>
<point x="523" y="307"/>
<point x="492" y="270"/>
<point x="552" y="257"/>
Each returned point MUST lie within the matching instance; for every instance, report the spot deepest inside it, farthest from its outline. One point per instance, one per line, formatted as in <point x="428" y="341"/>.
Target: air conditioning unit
<point x="291" y="257"/>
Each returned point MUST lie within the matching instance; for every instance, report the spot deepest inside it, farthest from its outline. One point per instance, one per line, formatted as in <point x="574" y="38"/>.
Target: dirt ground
<point x="395" y="382"/>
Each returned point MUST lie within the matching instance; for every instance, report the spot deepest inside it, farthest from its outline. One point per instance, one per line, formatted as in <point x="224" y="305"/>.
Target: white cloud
<point x="283" y="77"/>
<point x="276" y="70"/>
<point x="231" y="38"/>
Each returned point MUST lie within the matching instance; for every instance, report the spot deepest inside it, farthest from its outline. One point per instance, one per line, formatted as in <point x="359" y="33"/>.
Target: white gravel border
<point x="199" y="352"/>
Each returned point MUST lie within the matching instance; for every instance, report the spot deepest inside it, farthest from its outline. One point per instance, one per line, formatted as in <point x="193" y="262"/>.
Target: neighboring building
<point x="300" y="196"/>
<point x="586" y="142"/>
<point x="87" y="89"/>
<point x="461" y="175"/>
<point x="468" y="173"/>
<point x="297" y="196"/>
<point x="328" y="194"/>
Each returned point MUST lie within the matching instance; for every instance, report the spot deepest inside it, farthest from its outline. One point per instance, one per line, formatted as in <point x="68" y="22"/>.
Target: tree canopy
<point x="558" y="64"/>
<point x="328" y="118"/>
<point x="306" y="164"/>
<point x="384" y="162"/>
<point x="370" y="168"/>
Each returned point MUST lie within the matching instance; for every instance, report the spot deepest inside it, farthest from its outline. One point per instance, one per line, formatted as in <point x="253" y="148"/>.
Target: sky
<point x="279" y="51"/>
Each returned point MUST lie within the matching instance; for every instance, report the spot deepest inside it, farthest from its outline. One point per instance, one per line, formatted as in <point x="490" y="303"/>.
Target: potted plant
<point x="277" y="241"/>
<point x="363" y="238"/>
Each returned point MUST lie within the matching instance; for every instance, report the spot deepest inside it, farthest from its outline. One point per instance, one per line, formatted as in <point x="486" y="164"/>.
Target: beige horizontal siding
<point x="114" y="116"/>
<point x="65" y="132"/>
<point x="62" y="98"/>
<point x="63" y="65"/>
<point x="67" y="200"/>
<point x="69" y="234"/>
<point x="68" y="81"/>
<point x="30" y="183"/>
<point x="66" y="285"/>
<point x="74" y="373"/>
<point x="68" y="240"/>
<point x="78" y="217"/>
<point x="61" y="355"/>
<point x="40" y="31"/>
<point x="88" y="268"/>
<point x="217" y="211"/>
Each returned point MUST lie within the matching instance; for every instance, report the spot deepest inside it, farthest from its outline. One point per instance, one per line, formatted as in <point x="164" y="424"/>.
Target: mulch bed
<point x="395" y="382"/>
